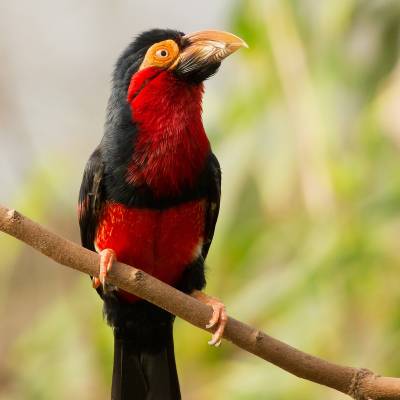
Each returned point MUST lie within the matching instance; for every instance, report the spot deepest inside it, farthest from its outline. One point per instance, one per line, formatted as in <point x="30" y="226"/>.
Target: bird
<point x="150" y="198"/>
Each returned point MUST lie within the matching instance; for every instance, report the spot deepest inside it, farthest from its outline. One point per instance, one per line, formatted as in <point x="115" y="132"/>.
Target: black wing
<point x="91" y="199"/>
<point x="213" y="201"/>
<point x="193" y="278"/>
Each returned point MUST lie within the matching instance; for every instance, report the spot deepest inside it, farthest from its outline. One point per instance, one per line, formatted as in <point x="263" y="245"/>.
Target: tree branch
<point x="361" y="384"/>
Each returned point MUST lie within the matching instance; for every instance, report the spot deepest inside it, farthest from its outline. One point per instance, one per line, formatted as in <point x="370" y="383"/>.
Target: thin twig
<point x="361" y="384"/>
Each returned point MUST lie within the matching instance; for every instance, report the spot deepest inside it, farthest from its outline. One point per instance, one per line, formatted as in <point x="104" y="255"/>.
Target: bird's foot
<point x="219" y="316"/>
<point x="107" y="258"/>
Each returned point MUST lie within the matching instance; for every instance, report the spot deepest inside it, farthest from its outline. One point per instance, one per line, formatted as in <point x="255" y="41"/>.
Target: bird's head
<point x="191" y="58"/>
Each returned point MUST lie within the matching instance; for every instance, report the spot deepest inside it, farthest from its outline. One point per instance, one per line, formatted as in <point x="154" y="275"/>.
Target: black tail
<point x="144" y="360"/>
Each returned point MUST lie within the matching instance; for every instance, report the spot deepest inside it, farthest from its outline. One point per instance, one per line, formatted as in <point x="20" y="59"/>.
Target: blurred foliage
<point x="307" y="130"/>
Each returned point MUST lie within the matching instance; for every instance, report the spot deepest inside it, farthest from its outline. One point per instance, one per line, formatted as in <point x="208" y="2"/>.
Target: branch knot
<point x="14" y="216"/>
<point x="355" y="389"/>
<point x="9" y="218"/>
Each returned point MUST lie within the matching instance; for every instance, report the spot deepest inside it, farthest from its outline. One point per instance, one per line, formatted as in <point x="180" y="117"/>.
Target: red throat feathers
<point x="171" y="147"/>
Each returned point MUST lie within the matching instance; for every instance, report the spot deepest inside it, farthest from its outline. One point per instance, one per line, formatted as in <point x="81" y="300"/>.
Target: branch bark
<point x="360" y="384"/>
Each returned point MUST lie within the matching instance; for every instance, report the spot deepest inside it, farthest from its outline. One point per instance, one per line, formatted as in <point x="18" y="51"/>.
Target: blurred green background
<point x="306" y="125"/>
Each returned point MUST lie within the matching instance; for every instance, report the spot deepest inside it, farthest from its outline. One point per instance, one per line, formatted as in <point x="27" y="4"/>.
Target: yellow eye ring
<point x="161" y="55"/>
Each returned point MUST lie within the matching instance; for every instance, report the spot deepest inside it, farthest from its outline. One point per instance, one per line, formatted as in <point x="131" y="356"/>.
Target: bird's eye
<point x="162" y="53"/>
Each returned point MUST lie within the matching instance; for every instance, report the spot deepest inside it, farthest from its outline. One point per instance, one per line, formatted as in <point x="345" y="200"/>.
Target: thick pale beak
<point x="206" y="48"/>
